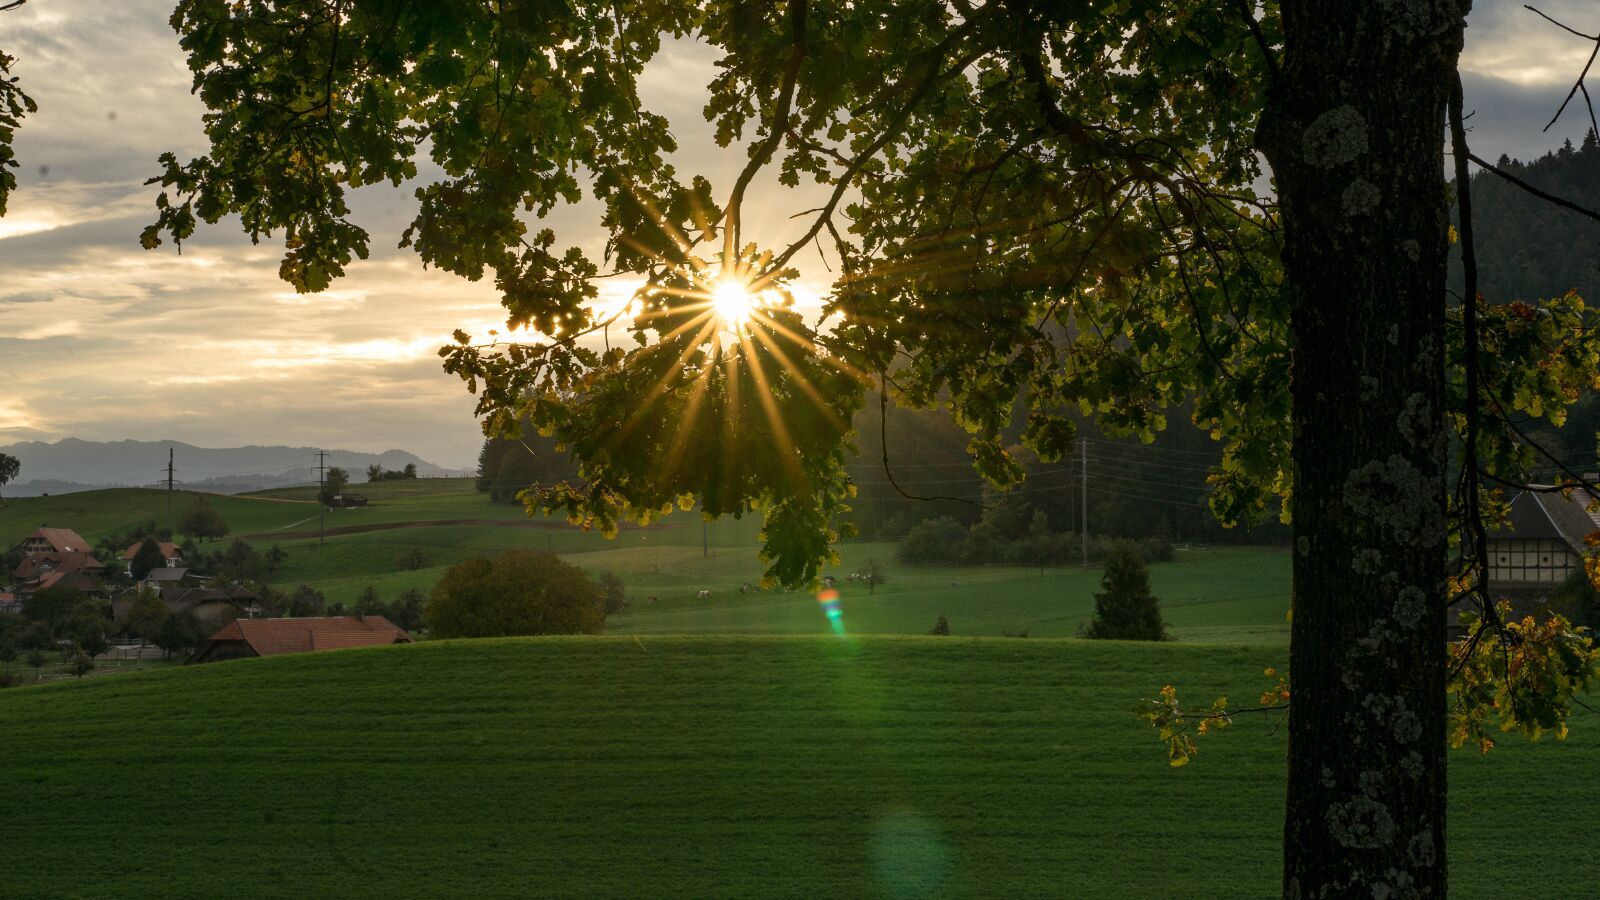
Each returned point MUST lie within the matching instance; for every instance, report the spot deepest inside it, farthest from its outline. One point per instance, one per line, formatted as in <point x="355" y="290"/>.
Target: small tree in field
<point x="613" y="591"/>
<point x="1126" y="610"/>
<point x="82" y="663"/>
<point x="517" y="592"/>
<point x="333" y="484"/>
<point x="411" y="559"/>
<point x="37" y="659"/>
<point x="202" y="521"/>
<point x="9" y="468"/>
<point x="872" y="574"/>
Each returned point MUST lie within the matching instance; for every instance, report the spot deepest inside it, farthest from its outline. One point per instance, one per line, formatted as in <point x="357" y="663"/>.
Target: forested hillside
<point x="1529" y="249"/>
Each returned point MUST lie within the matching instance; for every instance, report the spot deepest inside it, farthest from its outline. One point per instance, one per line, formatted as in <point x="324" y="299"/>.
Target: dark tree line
<point x="1527" y="248"/>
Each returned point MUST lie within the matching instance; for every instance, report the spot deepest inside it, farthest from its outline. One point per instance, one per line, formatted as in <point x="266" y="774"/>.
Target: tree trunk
<point x="1354" y="130"/>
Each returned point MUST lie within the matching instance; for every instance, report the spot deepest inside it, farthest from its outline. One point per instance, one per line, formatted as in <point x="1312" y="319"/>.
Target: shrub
<point x="934" y="541"/>
<point x="411" y="559"/>
<point x="1126" y="610"/>
<point x="306" y="601"/>
<point x="517" y="592"/>
<point x="1578" y="600"/>
<point x="1156" y="549"/>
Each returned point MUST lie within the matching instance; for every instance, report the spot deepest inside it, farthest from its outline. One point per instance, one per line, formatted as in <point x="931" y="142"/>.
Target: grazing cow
<point x="827" y="581"/>
<point x="704" y="594"/>
<point x="652" y="599"/>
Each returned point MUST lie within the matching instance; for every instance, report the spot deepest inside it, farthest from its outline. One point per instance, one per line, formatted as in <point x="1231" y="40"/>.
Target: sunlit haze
<point x="101" y="340"/>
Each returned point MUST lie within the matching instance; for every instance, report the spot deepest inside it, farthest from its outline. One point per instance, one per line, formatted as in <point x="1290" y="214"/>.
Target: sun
<point x="733" y="302"/>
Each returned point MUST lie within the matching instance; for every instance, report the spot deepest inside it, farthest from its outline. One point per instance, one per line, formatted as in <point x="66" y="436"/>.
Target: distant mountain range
<point x="72" y="465"/>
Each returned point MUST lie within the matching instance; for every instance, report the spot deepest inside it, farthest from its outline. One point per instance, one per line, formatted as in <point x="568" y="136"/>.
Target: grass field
<point x="702" y="767"/>
<point x="1222" y="595"/>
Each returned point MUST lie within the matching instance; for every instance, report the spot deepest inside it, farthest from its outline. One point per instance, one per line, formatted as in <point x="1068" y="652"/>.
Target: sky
<point x="101" y="340"/>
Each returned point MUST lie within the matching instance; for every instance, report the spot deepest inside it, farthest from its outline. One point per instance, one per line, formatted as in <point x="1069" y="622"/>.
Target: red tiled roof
<point x="75" y="580"/>
<point x="270" y="637"/>
<point x="169" y="550"/>
<point x="63" y="539"/>
<point x="60" y="562"/>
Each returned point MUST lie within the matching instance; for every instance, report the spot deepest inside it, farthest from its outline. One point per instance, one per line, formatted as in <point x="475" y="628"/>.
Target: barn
<point x="244" y="638"/>
<point x="1541" y="543"/>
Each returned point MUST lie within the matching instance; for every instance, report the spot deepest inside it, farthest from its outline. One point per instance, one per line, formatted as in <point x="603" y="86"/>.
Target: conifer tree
<point x="1126" y="610"/>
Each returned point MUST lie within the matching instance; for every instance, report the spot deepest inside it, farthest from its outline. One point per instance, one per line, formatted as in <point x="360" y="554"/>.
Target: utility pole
<point x="322" y="486"/>
<point x="169" y="492"/>
<point x="1083" y="529"/>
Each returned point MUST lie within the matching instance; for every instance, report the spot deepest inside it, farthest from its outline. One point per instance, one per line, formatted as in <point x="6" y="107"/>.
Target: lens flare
<point x="829" y="601"/>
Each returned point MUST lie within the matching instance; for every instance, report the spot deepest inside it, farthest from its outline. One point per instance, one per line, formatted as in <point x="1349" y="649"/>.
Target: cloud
<point x="102" y="340"/>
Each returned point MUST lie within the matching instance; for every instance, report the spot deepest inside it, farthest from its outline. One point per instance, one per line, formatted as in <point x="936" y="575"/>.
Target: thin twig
<point x="1550" y="198"/>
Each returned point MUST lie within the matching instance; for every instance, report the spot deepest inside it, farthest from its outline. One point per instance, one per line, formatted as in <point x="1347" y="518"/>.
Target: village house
<point x="42" y="569"/>
<point x="56" y="540"/>
<point x="171" y="556"/>
<point x="244" y="638"/>
<point x="1541" y="543"/>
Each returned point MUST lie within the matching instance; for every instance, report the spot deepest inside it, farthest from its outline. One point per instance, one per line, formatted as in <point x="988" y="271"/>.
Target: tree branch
<point x="1551" y="198"/>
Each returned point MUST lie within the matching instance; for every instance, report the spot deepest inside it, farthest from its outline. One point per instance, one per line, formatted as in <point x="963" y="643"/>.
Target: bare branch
<point x="1551" y="198"/>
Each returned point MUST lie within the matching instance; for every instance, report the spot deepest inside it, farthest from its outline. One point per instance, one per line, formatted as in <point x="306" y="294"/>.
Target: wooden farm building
<point x="1541" y="543"/>
<point x="245" y="638"/>
<point x="57" y="540"/>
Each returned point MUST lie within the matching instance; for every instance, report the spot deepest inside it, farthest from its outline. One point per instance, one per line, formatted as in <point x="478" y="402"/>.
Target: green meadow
<point x="711" y="766"/>
<point x="1212" y="595"/>
<point x="717" y="747"/>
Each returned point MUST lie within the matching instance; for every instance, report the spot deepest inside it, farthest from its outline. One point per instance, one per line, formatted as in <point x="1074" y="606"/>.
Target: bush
<point x="1578" y="600"/>
<point x="1156" y="549"/>
<point x="1126" y="610"/>
<point x="517" y="592"/>
<point x="934" y="541"/>
<point x="306" y="601"/>
<point x="411" y="559"/>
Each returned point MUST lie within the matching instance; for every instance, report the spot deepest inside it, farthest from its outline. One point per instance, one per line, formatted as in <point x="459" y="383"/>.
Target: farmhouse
<point x="54" y="540"/>
<point x="171" y="556"/>
<point x="41" y="569"/>
<point x="1541" y="543"/>
<point x="245" y="638"/>
<point x="161" y="579"/>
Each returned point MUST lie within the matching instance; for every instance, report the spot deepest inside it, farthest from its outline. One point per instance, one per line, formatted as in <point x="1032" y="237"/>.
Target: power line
<point x="1152" y="448"/>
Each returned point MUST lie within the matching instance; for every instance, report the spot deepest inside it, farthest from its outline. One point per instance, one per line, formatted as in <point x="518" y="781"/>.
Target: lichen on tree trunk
<point x="1354" y="130"/>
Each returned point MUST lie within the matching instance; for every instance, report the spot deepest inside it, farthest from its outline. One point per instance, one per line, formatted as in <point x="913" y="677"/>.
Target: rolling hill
<point x="704" y="767"/>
